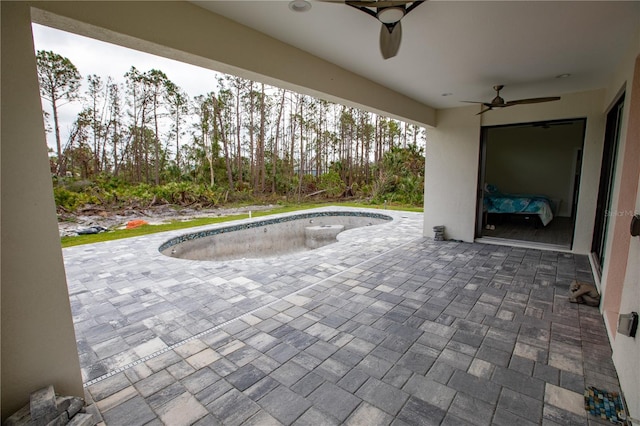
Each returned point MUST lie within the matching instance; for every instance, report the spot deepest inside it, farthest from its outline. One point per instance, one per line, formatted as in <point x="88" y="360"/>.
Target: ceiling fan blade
<point x="477" y="102"/>
<point x="498" y="102"/>
<point x="533" y="101"/>
<point x="390" y="38"/>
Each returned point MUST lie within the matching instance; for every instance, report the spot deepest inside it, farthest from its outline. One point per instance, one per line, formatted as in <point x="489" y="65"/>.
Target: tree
<point x="156" y="82"/>
<point x="260" y="166"/>
<point x="140" y="102"/>
<point x="221" y="128"/>
<point x="115" y="119"/>
<point x="178" y="102"/>
<point x="274" y="148"/>
<point x="59" y="81"/>
<point x="246" y="136"/>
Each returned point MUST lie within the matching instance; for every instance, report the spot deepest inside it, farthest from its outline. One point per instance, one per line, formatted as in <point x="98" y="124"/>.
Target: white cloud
<point x="104" y="59"/>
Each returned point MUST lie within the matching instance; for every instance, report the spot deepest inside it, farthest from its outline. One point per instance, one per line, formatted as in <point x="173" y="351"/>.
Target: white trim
<point x="523" y="244"/>
<point x="594" y="271"/>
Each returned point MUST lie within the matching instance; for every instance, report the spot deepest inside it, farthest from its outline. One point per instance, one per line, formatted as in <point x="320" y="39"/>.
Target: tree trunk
<point x="56" y="126"/>
<point x="274" y="149"/>
<point x="178" y="140"/>
<point x="225" y="145"/>
<point x="292" y="129"/>
<point x="252" y="176"/>
<point x="145" y="146"/>
<point x="238" y="131"/>
<point x="301" y="167"/>
<point x="115" y="148"/>
<point x="157" y="140"/>
<point x="261" y="159"/>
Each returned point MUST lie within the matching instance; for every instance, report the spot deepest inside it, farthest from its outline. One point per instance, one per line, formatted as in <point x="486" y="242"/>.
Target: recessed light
<point x="299" y="5"/>
<point x="563" y="75"/>
<point x="447" y="94"/>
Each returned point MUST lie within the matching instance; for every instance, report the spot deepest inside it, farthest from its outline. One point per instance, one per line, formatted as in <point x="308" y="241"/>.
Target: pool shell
<point x="263" y="238"/>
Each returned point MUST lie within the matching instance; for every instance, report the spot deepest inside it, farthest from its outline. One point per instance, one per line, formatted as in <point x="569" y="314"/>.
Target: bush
<point x="70" y="200"/>
<point x="331" y="183"/>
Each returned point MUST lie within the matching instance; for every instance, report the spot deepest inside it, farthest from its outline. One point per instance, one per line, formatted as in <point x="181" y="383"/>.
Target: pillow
<point x="490" y="189"/>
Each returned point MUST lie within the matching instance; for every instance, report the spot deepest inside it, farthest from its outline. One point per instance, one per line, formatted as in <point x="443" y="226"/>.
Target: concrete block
<point x="82" y="419"/>
<point x="61" y="420"/>
<point x="43" y="404"/>
<point x="76" y="406"/>
<point x="19" y="418"/>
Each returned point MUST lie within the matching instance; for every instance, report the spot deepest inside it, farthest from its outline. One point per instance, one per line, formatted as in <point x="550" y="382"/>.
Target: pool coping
<point x="256" y="223"/>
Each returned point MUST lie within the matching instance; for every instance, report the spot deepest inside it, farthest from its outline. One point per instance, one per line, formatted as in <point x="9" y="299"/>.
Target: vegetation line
<point x="241" y="141"/>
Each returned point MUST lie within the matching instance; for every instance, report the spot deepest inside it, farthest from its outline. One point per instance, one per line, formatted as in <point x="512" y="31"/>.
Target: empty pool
<point x="269" y="237"/>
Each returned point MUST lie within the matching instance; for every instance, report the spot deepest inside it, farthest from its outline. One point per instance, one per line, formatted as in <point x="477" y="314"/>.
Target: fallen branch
<point x="315" y="193"/>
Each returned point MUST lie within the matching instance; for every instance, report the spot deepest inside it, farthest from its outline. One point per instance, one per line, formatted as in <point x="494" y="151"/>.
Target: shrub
<point x="70" y="200"/>
<point x="331" y="183"/>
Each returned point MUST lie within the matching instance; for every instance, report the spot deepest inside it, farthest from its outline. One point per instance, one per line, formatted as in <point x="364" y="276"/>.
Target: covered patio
<point x="382" y="327"/>
<point x="418" y="331"/>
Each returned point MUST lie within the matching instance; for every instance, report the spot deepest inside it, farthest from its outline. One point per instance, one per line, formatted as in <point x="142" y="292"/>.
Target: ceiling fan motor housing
<point x="390" y="15"/>
<point x="497" y="102"/>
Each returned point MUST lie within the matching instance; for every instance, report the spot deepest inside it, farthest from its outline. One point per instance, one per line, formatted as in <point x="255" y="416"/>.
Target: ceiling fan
<point x="389" y="13"/>
<point x="498" y="102"/>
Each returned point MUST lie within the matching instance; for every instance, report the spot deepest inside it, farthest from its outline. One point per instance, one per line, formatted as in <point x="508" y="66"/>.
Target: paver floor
<point x="384" y="327"/>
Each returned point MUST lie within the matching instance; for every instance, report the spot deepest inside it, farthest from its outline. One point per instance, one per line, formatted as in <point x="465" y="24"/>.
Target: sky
<point x="104" y="59"/>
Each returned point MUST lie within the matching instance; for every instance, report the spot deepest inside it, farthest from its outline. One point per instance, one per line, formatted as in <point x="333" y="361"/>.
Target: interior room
<point x="533" y="169"/>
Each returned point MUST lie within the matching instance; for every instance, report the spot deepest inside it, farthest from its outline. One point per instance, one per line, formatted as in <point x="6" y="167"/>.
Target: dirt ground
<point x="70" y="224"/>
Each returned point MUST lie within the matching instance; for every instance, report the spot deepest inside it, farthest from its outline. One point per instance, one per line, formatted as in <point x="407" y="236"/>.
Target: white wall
<point x="452" y="161"/>
<point x="625" y="349"/>
<point x="574" y="105"/>
<point x="450" y="183"/>
<point x="38" y="340"/>
<point x="535" y="160"/>
<point x="451" y="173"/>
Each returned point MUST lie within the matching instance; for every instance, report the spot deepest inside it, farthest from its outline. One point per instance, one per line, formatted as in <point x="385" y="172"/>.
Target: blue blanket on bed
<point x="508" y="203"/>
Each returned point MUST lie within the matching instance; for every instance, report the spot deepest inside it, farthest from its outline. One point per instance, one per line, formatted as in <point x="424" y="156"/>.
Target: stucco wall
<point x="587" y="105"/>
<point x="452" y="161"/>
<point x="38" y="340"/>
<point x="621" y="273"/>
<point x="451" y="173"/>
<point x="451" y="176"/>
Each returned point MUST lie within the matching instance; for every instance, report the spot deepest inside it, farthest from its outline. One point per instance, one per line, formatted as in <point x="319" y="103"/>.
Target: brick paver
<point x="383" y="327"/>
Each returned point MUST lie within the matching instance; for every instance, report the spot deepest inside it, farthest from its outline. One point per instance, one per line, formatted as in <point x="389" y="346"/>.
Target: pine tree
<point x="59" y="81"/>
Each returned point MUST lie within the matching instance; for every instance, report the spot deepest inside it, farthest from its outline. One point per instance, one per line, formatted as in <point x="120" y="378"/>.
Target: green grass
<point x="178" y="224"/>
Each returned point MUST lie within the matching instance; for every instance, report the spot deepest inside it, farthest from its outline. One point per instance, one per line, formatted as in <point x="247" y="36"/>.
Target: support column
<point x="38" y="339"/>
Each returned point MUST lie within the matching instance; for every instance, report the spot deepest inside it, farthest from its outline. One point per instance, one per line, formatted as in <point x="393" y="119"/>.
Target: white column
<point x="38" y="340"/>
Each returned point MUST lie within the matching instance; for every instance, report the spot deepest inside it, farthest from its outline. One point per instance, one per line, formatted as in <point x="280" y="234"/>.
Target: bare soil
<point x="70" y="223"/>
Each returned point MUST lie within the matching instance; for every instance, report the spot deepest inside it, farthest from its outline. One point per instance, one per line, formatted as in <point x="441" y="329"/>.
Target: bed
<point x="526" y="204"/>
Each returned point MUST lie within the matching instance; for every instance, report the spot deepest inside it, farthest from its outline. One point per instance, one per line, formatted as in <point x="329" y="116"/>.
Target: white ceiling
<point x="460" y="47"/>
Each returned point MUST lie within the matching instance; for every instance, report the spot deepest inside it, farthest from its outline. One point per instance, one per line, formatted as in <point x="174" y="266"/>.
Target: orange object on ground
<point x="136" y="223"/>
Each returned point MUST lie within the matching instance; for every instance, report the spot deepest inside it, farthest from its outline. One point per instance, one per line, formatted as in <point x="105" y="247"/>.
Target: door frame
<point x="575" y="185"/>
<point x="606" y="181"/>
